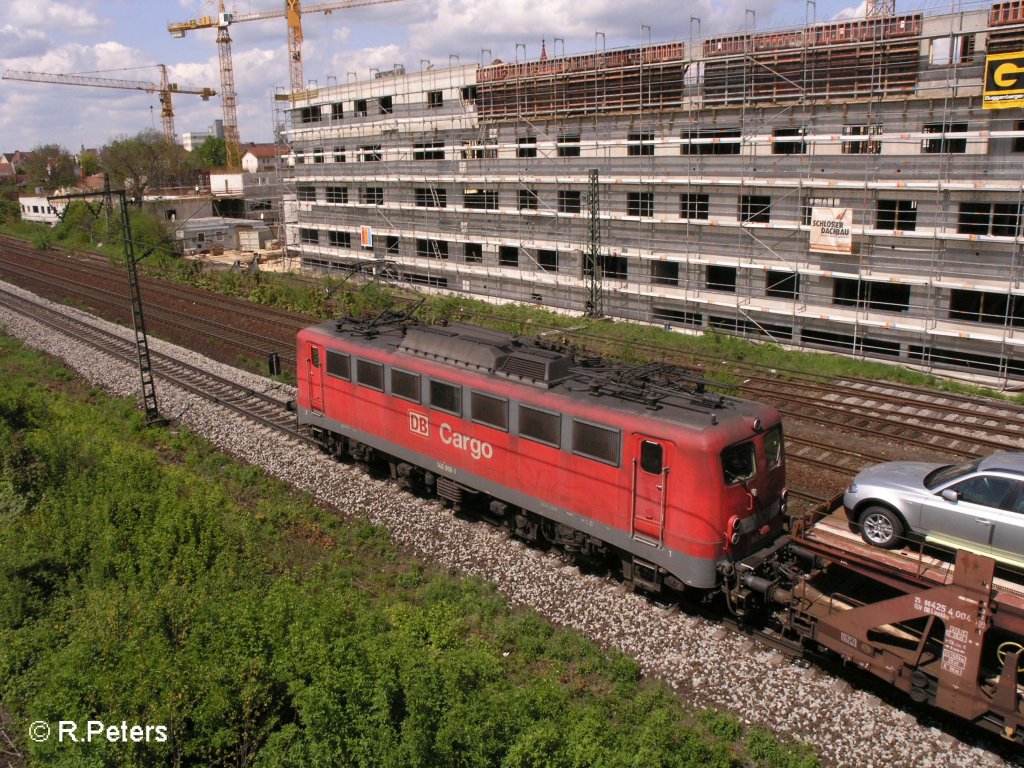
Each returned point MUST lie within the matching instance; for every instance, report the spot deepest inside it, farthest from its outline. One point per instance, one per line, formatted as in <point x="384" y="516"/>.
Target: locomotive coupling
<point x="771" y="588"/>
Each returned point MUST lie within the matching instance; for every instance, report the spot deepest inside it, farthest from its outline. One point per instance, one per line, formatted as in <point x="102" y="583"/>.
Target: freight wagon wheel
<point x="881" y="527"/>
<point x="1010" y="647"/>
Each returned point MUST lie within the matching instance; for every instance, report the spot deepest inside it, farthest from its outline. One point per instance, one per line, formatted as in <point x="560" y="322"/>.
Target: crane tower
<point x="292" y="12"/>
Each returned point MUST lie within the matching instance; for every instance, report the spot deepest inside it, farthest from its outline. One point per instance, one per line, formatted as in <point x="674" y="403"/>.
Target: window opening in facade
<point x="710" y="141"/>
<point x="508" y="256"/>
<point x="780" y="284"/>
<point x="428" y="150"/>
<point x="480" y="199"/>
<point x="431" y="197"/>
<point x="693" y="205"/>
<point x="568" y="145"/>
<point x="639" y="143"/>
<point x="897" y="215"/>
<point x="720" y="278"/>
<point x="569" y="201"/>
<point x="527" y="200"/>
<point x="789" y="141"/>
<point x="755" y="208"/>
<point x="526" y="146"/>
<point x="944" y="144"/>
<point x="547" y="260"/>
<point x="859" y="145"/>
<point x="640" y="204"/>
<point x="339" y="239"/>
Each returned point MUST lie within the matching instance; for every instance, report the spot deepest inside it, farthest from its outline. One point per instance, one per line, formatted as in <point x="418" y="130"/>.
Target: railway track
<point x="261" y="407"/>
<point x="254" y="330"/>
<point x="957" y="426"/>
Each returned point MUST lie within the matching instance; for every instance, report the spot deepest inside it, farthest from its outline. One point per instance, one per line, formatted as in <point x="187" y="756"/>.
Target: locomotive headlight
<point x="756" y="425"/>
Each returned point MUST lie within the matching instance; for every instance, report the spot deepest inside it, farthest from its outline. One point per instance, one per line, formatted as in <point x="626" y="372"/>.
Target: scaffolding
<point x="714" y="160"/>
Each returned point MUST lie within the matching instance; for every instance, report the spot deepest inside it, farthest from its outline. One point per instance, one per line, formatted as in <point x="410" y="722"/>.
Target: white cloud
<point x="855" y="12"/>
<point x="45" y="15"/>
<point x="362" y="61"/>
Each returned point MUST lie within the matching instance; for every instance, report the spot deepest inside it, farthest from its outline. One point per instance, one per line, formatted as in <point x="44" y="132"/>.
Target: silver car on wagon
<point x="977" y="505"/>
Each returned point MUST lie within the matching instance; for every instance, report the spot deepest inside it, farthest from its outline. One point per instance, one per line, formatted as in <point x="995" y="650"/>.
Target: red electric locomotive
<point x="640" y="463"/>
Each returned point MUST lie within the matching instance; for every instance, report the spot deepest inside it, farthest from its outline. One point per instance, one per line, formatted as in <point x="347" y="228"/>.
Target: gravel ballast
<point x="707" y="665"/>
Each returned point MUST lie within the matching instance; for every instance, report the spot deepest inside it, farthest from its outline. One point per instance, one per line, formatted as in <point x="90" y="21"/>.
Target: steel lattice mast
<point x="292" y="12"/>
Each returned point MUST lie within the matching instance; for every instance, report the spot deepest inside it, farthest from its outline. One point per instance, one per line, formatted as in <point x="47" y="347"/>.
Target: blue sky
<point x="123" y="39"/>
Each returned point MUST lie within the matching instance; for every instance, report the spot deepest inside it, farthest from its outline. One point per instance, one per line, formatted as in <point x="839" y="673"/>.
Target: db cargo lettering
<point x="478" y="449"/>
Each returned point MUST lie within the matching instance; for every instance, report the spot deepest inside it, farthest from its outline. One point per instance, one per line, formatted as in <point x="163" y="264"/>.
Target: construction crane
<point x="292" y="12"/>
<point x="875" y="9"/>
<point x="165" y="88"/>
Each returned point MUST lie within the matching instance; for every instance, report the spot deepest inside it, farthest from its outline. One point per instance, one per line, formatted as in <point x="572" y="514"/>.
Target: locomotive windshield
<point x="773" y="447"/>
<point x="739" y="463"/>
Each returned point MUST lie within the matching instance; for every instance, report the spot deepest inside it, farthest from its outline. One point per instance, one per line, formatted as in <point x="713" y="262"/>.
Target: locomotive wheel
<point x="881" y="527"/>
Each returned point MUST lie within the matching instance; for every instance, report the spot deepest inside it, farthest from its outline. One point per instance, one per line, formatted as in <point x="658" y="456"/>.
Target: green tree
<point x="89" y="162"/>
<point x="143" y="162"/>
<point x="210" y="154"/>
<point x="50" y="166"/>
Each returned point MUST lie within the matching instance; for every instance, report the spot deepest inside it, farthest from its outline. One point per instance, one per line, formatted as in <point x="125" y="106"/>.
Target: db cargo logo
<point x="1004" y="81"/>
<point x="419" y="424"/>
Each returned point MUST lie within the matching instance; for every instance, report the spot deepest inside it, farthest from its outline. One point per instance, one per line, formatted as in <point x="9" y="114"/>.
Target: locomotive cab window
<point x="446" y="397"/>
<point x="542" y="426"/>
<point x="405" y="385"/>
<point x="739" y="463"/>
<point x="315" y="353"/>
<point x="492" y="411"/>
<point x="594" y="442"/>
<point x="370" y="375"/>
<point x="339" y="364"/>
<point x="651" y="457"/>
<point x="773" y="447"/>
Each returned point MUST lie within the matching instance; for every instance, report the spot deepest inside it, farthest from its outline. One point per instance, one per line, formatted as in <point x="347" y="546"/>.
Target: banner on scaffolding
<point x="366" y="237"/>
<point x="1004" y="81"/>
<point x="831" y="230"/>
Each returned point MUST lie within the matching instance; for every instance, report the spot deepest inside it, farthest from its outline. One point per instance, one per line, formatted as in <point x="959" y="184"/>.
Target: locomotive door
<point x="650" y="487"/>
<point x="315" y="377"/>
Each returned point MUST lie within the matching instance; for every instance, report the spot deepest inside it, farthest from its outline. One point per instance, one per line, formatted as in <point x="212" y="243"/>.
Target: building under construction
<point x="853" y="186"/>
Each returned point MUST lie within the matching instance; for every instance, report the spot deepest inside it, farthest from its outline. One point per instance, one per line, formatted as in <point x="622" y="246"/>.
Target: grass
<point x="147" y="577"/>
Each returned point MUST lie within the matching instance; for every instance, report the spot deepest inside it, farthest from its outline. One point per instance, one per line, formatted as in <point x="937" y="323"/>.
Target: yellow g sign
<point x="1004" y="81"/>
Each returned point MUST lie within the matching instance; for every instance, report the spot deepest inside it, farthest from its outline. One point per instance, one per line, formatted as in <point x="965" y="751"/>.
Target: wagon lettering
<point x="475" y="447"/>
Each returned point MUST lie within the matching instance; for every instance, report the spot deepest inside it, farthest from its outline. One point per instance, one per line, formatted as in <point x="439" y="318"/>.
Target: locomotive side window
<point x="651" y="457"/>
<point x="405" y="385"/>
<point x="596" y="442"/>
<point x="541" y="426"/>
<point x="370" y="374"/>
<point x="339" y="364"/>
<point x="316" y="356"/>
<point x="446" y="397"/>
<point x="738" y="463"/>
<point x="773" y="447"/>
<point x="492" y="411"/>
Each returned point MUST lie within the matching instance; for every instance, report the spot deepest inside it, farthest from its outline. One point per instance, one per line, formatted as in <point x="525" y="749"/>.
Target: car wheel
<point x="881" y="527"/>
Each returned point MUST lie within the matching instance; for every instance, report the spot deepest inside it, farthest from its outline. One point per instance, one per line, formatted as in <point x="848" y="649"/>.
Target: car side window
<point x="1018" y="502"/>
<point x="987" y="491"/>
